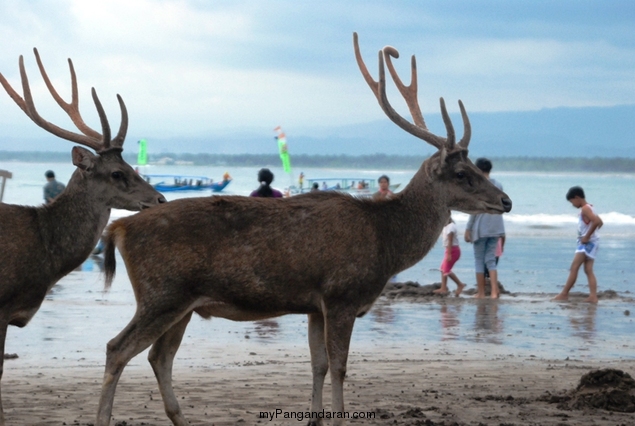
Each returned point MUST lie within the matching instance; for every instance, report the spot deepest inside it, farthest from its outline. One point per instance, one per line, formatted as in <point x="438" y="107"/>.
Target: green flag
<point x="284" y="153"/>
<point x="283" y="149"/>
<point x="142" y="158"/>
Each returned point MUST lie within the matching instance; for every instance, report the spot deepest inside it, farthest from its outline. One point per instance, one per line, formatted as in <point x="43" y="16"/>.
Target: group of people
<point x="485" y="231"/>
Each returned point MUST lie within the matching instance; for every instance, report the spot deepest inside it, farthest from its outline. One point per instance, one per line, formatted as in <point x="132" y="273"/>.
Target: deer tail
<point x="110" y="263"/>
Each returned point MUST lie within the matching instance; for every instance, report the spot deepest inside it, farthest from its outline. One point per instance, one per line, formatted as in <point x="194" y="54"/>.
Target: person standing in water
<point x="587" y="245"/>
<point x="484" y="231"/>
<point x="452" y="253"/>
<point x="52" y="188"/>
<point x="384" y="192"/>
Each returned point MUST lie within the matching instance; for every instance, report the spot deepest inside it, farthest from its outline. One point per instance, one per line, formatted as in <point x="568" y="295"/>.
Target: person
<point x="53" y="188"/>
<point x="301" y="180"/>
<point x="384" y="191"/>
<point x="315" y="187"/>
<point x="451" y="256"/>
<point x="587" y="245"/>
<point x="324" y="187"/>
<point x="265" y="177"/>
<point x="484" y="231"/>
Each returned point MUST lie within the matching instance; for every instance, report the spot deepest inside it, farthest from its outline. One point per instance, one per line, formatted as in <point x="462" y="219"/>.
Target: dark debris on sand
<point x="413" y="416"/>
<point x="412" y="290"/>
<point x="606" y="389"/>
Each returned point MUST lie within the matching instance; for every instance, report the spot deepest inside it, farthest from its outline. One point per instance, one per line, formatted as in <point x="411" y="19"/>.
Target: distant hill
<point x="342" y="161"/>
<point x="557" y="132"/>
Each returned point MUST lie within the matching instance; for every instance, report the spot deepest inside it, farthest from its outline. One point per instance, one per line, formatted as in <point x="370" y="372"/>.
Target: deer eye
<point x="117" y="175"/>
<point x="460" y="175"/>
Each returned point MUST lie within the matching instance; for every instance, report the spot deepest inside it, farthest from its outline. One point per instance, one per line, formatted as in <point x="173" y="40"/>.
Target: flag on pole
<point x="283" y="150"/>
<point x="142" y="157"/>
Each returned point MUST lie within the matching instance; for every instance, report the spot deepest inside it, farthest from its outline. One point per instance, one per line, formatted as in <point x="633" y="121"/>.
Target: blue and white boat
<point x="171" y="183"/>
<point x="352" y="185"/>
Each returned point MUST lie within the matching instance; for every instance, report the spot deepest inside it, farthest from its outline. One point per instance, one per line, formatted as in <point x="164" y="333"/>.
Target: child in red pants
<point x="452" y="253"/>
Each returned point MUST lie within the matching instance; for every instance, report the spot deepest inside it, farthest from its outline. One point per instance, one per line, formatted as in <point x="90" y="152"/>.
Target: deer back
<point x="244" y="251"/>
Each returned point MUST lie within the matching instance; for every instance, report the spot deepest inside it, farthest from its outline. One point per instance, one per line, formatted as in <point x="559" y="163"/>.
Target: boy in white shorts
<point x="587" y="245"/>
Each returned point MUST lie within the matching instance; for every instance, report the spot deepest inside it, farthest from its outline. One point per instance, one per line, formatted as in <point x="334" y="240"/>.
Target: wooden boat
<point x="354" y="186"/>
<point x="171" y="183"/>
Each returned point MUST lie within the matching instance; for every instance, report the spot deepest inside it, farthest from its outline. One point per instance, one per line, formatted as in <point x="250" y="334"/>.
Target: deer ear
<point x="443" y="155"/>
<point x="83" y="158"/>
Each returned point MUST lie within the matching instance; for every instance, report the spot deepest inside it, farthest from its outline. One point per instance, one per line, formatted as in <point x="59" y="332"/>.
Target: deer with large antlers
<point x="324" y="254"/>
<point x="42" y="244"/>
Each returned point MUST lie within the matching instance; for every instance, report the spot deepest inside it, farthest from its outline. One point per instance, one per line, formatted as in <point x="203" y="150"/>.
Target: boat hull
<point x="214" y="187"/>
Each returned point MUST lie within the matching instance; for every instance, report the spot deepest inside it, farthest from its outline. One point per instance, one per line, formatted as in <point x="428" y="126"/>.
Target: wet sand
<point x="415" y="359"/>
<point x="404" y="389"/>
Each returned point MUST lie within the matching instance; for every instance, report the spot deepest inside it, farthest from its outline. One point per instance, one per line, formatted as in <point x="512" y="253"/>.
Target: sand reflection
<point x="582" y="320"/>
<point x="450" y="321"/>
<point x="383" y="314"/>
<point x="267" y="329"/>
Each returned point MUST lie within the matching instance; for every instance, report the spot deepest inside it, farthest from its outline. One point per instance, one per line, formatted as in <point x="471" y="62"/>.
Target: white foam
<point x="610" y="218"/>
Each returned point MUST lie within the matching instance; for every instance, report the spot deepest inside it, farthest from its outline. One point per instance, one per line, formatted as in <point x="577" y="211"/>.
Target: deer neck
<point x="417" y="218"/>
<point x="72" y="225"/>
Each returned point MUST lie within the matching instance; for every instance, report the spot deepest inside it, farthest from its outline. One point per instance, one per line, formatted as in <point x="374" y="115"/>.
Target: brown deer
<point x="324" y="254"/>
<point x="40" y="245"/>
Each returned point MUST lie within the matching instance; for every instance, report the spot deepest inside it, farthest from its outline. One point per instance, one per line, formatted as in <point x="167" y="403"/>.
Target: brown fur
<point x="40" y="245"/>
<point x="252" y="258"/>
<point x="323" y="254"/>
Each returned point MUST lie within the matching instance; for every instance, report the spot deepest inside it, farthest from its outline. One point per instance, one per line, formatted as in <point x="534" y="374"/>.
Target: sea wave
<point x="610" y="218"/>
<point x="534" y="220"/>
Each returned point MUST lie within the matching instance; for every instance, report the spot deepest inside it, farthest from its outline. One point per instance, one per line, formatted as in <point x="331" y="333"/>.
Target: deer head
<point x="106" y="175"/>
<point x="466" y="188"/>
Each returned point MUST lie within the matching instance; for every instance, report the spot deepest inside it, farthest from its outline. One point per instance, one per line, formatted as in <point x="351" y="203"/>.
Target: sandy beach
<point x="391" y="381"/>
<point x="404" y="389"/>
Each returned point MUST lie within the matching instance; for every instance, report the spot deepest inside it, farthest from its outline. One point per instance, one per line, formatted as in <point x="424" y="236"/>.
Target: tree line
<point x="379" y="161"/>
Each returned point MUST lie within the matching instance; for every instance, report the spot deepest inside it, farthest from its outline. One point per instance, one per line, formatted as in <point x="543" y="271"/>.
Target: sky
<point x="196" y="67"/>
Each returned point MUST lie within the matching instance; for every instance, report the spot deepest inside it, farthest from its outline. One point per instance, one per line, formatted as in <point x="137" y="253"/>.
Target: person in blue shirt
<point x="52" y="188"/>
<point x="483" y="231"/>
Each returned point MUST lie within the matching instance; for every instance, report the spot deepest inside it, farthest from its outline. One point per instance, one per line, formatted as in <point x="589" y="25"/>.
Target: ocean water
<point x="541" y="228"/>
<point x="77" y="319"/>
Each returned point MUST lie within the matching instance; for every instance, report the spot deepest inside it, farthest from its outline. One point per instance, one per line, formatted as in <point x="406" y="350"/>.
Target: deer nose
<point x="161" y="199"/>
<point x="507" y="204"/>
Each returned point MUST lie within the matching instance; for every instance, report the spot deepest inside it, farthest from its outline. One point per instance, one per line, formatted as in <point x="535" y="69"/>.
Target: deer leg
<point x="161" y="358"/>
<point x="142" y="331"/>
<point x="319" y="363"/>
<point x="339" y="327"/>
<point x="3" y="336"/>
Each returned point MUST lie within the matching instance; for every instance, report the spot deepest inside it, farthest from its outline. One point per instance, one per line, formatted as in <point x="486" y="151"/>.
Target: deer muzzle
<point x="160" y="199"/>
<point x="507" y="204"/>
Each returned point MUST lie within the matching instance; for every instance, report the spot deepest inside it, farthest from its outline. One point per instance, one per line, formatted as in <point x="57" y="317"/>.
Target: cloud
<point x="188" y="67"/>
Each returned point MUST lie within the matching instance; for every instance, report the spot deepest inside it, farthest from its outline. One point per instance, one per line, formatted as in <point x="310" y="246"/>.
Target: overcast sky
<point x="192" y="67"/>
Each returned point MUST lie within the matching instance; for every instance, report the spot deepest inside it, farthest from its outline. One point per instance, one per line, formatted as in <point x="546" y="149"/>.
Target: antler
<point x="409" y="93"/>
<point x="90" y="138"/>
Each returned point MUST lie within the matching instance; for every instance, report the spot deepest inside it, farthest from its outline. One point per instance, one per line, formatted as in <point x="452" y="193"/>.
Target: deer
<point x="40" y="245"/>
<point x="323" y="254"/>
